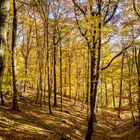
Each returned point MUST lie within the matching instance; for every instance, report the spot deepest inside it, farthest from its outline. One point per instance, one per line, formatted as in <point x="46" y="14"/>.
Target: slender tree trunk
<point x="83" y="90"/>
<point x="60" y="72"/>
<point x="139" y="96"/>
<point x="121" y="84"/>
<point x="37" y="95"/>
<point x="130" y="100"/>
<point x="54" y="64"/>
<point x="49" y="87"/>
<point x="49" y="78"/>
<point x="1" y="77"/>
<point x="54" y="75"/>
<point x="25" y="82"/>
<point x="113" y="91"/>
<point x="101" y="93"/>
<point x="137" y="60"/>
<point x="65" y="79"/>
<point x="45" y="73"/>
<point x="77" y="83"/>
<point x="40" y="85"/>
<point x="106" y="93"/>
<point x="48" y="59"/>
<point x="87" y="85"/>
<point x="69" y="77"/>
<point x="130" y="68"/>
<point x="15" y="101"/>
<point x="45" y="79"/>
<point x="26" y="57"/>
<point x="37" y="63"/>
<point x="139" y="82"/>
<point x="2" y="65"/>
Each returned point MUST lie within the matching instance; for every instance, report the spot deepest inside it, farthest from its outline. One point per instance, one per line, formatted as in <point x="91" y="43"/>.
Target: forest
<point x="69" y="69"/>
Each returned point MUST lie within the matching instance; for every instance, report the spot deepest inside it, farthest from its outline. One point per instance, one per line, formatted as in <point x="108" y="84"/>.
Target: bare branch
<point x="84" y="13"/>
<point x="115" y="57"/>
<point x="134" y="6"/>
<point x="26" y="3"/>
<point x="105" y="42"/>
<point x="113" y="12"/>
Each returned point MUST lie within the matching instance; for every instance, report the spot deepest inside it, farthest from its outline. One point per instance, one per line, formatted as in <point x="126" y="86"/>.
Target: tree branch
<point x="134" y="6"/>
<point x="79" y="7"/>
<point x="115" y="57"/>
<point x="111" y="16"/>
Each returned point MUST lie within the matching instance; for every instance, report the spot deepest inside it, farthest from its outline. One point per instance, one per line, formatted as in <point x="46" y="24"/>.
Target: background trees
<point x="87" y="51"/>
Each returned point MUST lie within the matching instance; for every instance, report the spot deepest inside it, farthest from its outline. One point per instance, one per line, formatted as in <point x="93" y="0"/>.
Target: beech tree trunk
<point x="137" y="59"/>
<point x="69" y="64"/>
<point x="55" y="42"/>
<point x="106" y="93"/>
<point x="94" y="46"/>
<point x="54" y="76"/>
<point x="121" y="84"/>
<point x="61" y="99"/>
<point x="113" y="91"/>
<point x="4" y="16"/>
<point x="48" y="59"/>
<point x="15" y="101"/>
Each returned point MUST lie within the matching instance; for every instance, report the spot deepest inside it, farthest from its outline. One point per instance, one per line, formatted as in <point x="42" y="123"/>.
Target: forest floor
<point x="35" y="123"/>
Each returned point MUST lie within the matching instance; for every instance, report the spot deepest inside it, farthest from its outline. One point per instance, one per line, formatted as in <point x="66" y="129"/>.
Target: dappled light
<point x="69" y="69"/>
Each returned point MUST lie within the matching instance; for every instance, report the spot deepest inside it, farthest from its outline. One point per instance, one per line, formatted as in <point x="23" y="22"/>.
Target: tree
<point x="55" y="10"/>
<point x="4" y="17"/>
<point x="25" y="51"/>
<point x="92" y="33"/>
<point x="13" y="48"/>
<point x="121" y="84"/>
<point x="137" y="61"/>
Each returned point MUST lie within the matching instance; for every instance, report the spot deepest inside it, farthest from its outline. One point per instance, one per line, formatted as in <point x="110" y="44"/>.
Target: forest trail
<point x="34" y="122"/>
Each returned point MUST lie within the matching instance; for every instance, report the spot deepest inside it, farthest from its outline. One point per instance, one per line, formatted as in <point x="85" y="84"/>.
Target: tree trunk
<point x="65" y="80"/>
<point x="77" y="82"/>
<point x="48" y="59"/>
<point x="60" y="72"/>
<point x="139" y="96"/>
<point x="25" y="82"/>
<point x="45" y="71"/>
<point x="26" y="56"/>
<point x="54" y="64"/>
<point x="40" y="84"/>
<point x="49" y="78"/>
<point x="37" y="95"/>
<point x="137" y="60"/>
<point x="130" y="68"/>
<point x="94" y="76"/>
<point x="101" y="92"/>
<point x="106" y="93"/>
<point x="113" y="91"/>
<point x="83" y="90"/>
<point x="15" y="101"/>
<point x="69" y="59"/>
<point x="121" y="84"/>
<point x="4" y="16"/>
<point x="87" y="85"/>
<point x="54" y="75"/>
